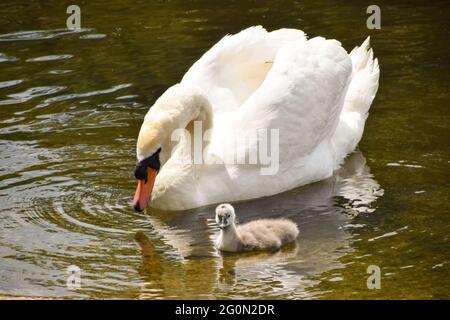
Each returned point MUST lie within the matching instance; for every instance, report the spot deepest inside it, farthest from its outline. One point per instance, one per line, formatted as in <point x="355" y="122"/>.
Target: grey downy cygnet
<point x="261" y="234"/>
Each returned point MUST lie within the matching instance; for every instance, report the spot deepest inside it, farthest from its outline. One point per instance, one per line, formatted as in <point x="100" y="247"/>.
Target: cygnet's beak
<point x="222" y="224"/>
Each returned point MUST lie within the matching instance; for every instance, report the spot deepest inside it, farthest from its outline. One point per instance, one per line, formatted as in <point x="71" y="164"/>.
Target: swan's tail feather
<point x="364" y="83"/>
<point x="360" y="94"/>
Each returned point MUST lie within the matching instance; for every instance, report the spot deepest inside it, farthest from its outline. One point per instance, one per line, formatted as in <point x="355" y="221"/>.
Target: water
<point x="71" y="104"/>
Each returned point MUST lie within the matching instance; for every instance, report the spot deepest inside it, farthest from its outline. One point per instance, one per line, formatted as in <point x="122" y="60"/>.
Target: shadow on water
<point x="323" y="212"/>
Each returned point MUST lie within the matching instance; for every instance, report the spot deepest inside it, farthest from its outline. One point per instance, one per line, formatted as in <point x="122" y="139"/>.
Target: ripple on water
<point x="388" y="234"/>
<point x="40" y="34"/>
<point x="44" y="194"/>
<point x="59" y="71"/>
<point x="10" y="83"/>
<point x="31" y="93"/>
<point x="61" y="239"/>
<point x="73" y="121"/>
<point x="54" y="57"/>
<point x="4" y="58"/>
<point x="130" y="96"/>
<point x="93" y="36"/>
<point x="404" y="163"/>
<point x="83" y="95"/>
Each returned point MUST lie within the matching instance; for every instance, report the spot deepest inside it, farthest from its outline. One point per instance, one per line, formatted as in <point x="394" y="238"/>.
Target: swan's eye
<point x="140" y="172"/>
<point x="141" y="167"/>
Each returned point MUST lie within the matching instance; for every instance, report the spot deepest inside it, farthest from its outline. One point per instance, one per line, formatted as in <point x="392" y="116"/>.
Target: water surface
<point x="71" y="103"/>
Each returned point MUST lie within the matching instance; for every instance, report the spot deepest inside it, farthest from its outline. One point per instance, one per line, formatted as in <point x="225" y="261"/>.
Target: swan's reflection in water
<point x="180" y="261"/>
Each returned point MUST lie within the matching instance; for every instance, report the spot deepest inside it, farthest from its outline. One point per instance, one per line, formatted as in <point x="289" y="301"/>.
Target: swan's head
<point x="146" y="171"/>
<point x="174" y="110"/>
<point x="151" y="151"/>
<point x="225" y="215"/>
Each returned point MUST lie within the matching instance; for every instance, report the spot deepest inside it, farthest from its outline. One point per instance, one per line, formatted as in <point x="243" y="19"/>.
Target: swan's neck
<point x="180" y="108"/>
<point x="183" y="104"/>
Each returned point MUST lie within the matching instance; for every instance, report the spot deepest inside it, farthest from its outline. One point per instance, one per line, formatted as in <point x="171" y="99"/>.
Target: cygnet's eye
<point x="228" y="215"/>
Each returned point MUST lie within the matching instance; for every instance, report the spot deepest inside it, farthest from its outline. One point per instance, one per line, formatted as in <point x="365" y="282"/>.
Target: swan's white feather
<point x="359" y="97"/>
<point x="302" y="95"/>
<point x="314" y="92"/>
<point x="231" y="70"/>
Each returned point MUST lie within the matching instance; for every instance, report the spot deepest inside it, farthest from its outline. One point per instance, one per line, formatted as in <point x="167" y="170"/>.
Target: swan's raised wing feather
<point x="302" y="96"/>
<point x="236" y="66"/>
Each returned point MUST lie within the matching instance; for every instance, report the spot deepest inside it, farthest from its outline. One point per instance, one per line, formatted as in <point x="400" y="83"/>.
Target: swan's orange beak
<point x="144" y="190"/>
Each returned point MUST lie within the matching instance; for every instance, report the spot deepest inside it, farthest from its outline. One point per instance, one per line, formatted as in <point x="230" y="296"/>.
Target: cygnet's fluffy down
<point x="262" y="234"/>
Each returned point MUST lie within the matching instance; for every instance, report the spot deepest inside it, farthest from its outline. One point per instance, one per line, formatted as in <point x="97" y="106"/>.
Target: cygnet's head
<point x="225" y="215"/>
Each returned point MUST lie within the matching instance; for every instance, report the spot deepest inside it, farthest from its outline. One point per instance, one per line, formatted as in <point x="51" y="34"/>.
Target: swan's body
<point x="314" y="94"/>
<point x="263" y="234"/>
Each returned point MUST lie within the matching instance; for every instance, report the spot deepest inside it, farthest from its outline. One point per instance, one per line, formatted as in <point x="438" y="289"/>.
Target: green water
<point x="68" y="127"/>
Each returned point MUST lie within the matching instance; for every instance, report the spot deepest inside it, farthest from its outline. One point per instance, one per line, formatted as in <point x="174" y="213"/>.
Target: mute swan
<point x="260" y="234"/>
<point x="311" y="95"/>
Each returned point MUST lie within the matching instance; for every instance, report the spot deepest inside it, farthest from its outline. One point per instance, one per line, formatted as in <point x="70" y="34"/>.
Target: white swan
<point x="262" y="234"/>
<point x="311" y="92"/>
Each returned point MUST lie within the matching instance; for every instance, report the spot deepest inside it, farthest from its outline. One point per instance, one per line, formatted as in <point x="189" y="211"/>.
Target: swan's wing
<point x="302" y="96"/>
<point x="236" y="66"/>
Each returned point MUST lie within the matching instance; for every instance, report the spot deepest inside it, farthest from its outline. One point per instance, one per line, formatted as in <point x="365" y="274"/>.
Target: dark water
<point x="71" y="104"/>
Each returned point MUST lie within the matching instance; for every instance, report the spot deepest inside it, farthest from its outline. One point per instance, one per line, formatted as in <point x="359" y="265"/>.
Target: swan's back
<point x="237" y="65"/>
<point x="302" y="96"/>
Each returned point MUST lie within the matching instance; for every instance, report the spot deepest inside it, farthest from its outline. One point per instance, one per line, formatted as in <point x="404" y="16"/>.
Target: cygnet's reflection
<point x="183" y="263"/>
